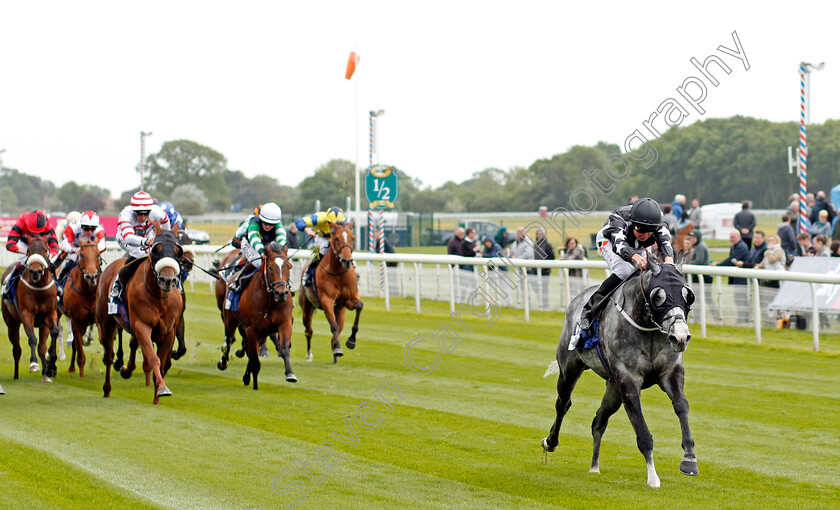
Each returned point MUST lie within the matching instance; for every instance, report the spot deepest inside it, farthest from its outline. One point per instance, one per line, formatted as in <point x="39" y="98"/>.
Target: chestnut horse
<point x="338" y="288"/>
<point x="79" y="302"/>
<point x="153" y="309"/>
<point x="265" y="308"/>
<point x="35" y="308"/>
<point x="187" y="262"/>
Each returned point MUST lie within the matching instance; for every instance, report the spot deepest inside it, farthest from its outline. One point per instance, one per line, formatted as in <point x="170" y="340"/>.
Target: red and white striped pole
<point x="803" y="149"/>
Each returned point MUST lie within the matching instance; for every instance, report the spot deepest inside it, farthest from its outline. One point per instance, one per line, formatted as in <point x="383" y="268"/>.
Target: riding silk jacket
<point x="74" y="235"/>
<point x="258" y="238"/>
<point x="320" y="223"/>
<point x="622" y="235"/>
<point x="135" y="233"/>
<point x="19" y="230"/>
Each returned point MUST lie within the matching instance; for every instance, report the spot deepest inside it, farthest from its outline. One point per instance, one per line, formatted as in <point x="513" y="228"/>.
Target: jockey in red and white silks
<point x="87" y="228"/>
<point x="135" y="228"/>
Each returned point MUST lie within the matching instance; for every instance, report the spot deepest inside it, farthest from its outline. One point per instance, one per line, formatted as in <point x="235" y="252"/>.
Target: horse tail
<point x="553" y="368"/>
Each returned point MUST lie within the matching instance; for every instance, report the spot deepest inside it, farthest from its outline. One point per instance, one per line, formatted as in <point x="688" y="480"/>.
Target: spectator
<point x="822" y="226"/>
<point x="491" y="248"/>
<point x="774" y="260"/>
<point x="678" y="206"/>
<point x="821" y="204"/>
<point x="573" y="251"/>
<point x="670" y="218"/>
<point x="543" y="251"/>
<point x="738" y="252"/>
<point x="389" y="248"/>
<point x="835" y="248"/>
<point x="469" y="247"/>
<point x="795" y="219"/>
<point x="810" y="202"/>
<point x="806" y="249"/>
<point x="292" y="239"/>
<point x="521" y="247"/>
<point x="502" y="237"/>
<point x="745" y="223"/>
<point x="793" y="205"/>
<point x="632" y="200"/>
<point x="453" y="247"/>
<point x="698" y="253"/>
<point x="756" y="252"/>
<point x="820" y="246"/>
<point x="695" y="215"/>
<point x="787" y="236"/>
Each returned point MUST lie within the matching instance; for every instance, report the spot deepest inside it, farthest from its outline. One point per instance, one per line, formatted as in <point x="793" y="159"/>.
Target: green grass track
<point x="765" y="418"/>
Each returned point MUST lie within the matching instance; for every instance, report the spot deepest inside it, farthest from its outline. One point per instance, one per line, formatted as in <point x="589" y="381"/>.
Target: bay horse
<point x="337" y="290"/>
<point x="79" y="302"/>
<point x="36" y="307"/>
<point x="265" y="309"/>
<point x="153" y="309"/>
<point x="643" y="333"/>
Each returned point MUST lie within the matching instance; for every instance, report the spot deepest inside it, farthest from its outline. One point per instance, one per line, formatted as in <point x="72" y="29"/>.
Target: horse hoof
<point x="34" y="367"/>
<point x="351" y="344"/>
<point x="338" y="352"/>
<point x="240" y="353"/>
<point x="545" y="446"/>
<point x="125" y="373"/>
<point x="291" y="378"/>
<point x="595" y="469"/>
<point x="164" y="392"/>
<point x="1" y="391"/>
<point x="309" y="357"/>
<point x="178" y="354"/>
<point x="221" y="366"/>
<point x="46" y="379"/>
<point x="62" y="356"/>
<point x="246" y="379"/>
<point x="689" y="467"/>
<point x="51" y="371"/>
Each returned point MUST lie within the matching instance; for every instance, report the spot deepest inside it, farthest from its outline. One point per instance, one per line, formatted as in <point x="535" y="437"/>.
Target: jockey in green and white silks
<point x="263" y="229"/>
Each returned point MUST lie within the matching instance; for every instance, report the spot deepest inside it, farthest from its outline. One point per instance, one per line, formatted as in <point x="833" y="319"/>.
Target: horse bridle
<point x="273" y="287"/>
<point x="650" y="313"/>
<point x="337" y="253"/>
<point x="98" y="268"/>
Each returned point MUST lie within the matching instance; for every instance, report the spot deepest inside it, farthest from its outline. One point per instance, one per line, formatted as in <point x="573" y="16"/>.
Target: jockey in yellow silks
<point x="318" y="226"/>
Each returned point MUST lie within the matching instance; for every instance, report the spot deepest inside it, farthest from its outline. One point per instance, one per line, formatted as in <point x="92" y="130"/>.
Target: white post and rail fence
<point x="443" y="278"/>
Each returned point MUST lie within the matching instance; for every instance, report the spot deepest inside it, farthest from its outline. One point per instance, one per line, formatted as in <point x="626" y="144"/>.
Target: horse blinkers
<point x="167" y="280"/>
<point x="670" y="300"/>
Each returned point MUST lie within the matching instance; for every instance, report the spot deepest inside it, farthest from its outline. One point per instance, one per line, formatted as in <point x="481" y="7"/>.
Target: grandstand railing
<point x="441" y="278"/>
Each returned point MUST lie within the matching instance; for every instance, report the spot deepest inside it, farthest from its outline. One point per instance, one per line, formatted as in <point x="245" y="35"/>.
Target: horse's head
<point x="164" y="255"/>
<point x="90" y="261"/>
<point x="275" y="268"/>
<point x="37" y="257"/>
<point x="669" y="298"/>
<point x="341" y="241"/>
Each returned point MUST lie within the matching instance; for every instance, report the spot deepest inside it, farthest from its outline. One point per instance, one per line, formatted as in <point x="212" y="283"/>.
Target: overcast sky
<point x="465" y="85"/>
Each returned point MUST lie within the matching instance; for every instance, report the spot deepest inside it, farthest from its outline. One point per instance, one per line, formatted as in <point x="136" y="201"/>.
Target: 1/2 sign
<point x="382" y="187"/>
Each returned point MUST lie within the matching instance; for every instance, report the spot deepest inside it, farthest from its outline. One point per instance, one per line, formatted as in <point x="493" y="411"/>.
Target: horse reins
<point x="85" y="275"/>
<point x="338" y="256"/>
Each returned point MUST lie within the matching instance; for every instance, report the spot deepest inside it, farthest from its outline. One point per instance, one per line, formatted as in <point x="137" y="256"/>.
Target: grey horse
<point x="643" y="333"/>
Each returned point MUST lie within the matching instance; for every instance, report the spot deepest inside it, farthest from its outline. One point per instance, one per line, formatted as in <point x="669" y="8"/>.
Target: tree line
<point x="715" y="160"/>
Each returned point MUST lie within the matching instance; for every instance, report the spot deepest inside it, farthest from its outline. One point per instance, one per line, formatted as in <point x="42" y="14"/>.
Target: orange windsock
<point x="352" y="60"/>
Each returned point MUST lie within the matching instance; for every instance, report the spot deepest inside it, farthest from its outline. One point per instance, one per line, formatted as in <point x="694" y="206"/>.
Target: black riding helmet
<point x="646" y="215"/>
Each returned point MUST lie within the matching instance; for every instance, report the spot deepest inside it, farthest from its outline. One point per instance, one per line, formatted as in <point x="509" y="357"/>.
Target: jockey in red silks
<point x="31" y="224"/>
<point x="135" y="235"/>
<point x="86" y="228"/>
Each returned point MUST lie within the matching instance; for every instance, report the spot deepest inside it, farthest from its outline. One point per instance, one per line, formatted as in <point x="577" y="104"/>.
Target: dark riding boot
<point x="596" y="302"/>
<point x="62" y="276"/>
<point x="115" y="298"/>
<point x="12" y="276"/>
<point x="310" y="272"/>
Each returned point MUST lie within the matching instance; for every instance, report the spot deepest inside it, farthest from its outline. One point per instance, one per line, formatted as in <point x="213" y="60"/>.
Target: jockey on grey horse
<point x="622" y="242"/>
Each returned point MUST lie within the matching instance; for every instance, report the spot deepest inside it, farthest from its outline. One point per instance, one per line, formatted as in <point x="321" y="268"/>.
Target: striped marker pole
<point x="381" y="250"/>
<point x="371" y="248"/>
<point x="142" y="158"/>
<point x="803" y="149"/>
